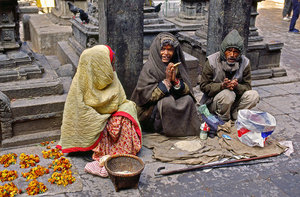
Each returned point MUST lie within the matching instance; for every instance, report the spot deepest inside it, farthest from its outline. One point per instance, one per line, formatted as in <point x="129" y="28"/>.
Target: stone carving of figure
<point x="5" y="18"/>
<point x="5" y="117"/>
<point x="6" y="36"/>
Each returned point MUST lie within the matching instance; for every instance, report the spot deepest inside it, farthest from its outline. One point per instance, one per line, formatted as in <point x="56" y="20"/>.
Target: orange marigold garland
<point x="6" y="175"/>
<point x="9" y="190"/>
<point x="53" y="153"/>
<point x="27" y="161"/>
<point x="8" y="159"/>
<point x="62" y="178"/>
<point x="35" y="172"/>
<point x="60" y="164"/>
<point x="35" y="188"/>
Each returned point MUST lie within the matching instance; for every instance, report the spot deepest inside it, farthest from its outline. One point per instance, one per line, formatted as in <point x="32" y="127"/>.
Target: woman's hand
<point x="170" y="73"/>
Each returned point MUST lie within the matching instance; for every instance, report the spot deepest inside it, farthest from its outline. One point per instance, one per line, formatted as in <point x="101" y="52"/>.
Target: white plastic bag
<point x="254" y="127"/>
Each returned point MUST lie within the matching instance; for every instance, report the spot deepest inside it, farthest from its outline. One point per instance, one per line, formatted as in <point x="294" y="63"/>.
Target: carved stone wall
<point x="9" y="25"/>
<point x="5" y="118"/>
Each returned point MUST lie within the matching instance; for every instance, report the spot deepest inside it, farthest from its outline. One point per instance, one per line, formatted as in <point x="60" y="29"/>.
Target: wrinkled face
<point x="231" y="55"/>
<point x="166" y="53"/>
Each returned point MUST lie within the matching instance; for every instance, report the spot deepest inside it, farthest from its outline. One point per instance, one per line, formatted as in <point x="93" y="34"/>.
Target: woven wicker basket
<point x="124" y="170"/>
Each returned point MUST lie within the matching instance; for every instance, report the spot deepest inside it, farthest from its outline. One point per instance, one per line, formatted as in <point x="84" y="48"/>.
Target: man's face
<point x="231" y="55"/>
<point x="166" y="53"/>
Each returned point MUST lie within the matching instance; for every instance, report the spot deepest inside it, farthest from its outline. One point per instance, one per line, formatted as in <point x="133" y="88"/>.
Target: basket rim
<point x="124" y="175"/>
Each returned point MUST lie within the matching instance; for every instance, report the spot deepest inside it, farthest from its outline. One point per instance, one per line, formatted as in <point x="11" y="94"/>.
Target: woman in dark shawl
<point x="164" y="94"/>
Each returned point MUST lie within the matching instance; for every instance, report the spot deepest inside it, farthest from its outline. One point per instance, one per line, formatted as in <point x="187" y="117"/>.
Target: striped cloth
<point x="96" y="169"/>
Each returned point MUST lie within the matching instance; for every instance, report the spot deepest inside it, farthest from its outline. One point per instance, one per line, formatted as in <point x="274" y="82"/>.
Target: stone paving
<point x="279" y="178"/>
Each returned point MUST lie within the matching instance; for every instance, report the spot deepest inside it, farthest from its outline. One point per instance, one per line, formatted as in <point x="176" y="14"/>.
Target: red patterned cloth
<point x="119" y="137"/>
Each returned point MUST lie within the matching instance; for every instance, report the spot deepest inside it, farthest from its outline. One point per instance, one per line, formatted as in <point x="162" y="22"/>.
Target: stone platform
<point x="44" y="34"/>
<point x="36" y="106"/>
<point x="264" y="56"/>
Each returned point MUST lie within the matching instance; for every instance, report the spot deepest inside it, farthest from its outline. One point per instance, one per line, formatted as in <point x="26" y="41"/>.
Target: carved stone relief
<point x="5" y="117"/>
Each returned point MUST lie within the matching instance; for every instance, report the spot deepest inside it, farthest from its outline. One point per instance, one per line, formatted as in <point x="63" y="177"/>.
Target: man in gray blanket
<point x="226" y="80"/>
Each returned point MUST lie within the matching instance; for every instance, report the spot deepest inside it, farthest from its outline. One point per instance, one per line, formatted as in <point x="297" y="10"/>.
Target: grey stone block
<point x="65" y="71"/>
<point x="261" y="74"/>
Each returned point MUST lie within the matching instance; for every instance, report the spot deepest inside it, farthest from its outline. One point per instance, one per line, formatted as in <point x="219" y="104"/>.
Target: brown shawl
<point x="178" y="116"/>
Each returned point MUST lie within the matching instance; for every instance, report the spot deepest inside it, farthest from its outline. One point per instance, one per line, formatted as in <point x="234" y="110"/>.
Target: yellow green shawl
<point x="94" y="96"/>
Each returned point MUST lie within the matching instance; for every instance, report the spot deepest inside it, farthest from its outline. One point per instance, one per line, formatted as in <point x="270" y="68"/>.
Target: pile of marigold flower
<point x="62" y="178"/>
<point x="53" y="153"/>
<point x="8" y="159"/>
<point x="60" y="164"/>
<point x="6" y="175"/>
<point x="27" y="161"/>
<point x="9" y="190"/>
<point x="36" y="187"/>
<point x="62" y="175"/>
<point x="35" y="172"/>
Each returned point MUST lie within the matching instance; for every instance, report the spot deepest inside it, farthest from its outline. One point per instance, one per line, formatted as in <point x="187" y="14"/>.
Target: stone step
<point x="66" y="54"/>
<point x="38" y="114"/>
<point x="159" y="27"/>
<point x="57" y="66"/>
<point x="37" y="123"/>
<point x="53" y="61"/>
<point x="37" y="105"/>
<point x="30" y="139"/>
<point x="25" y="89"/>
<point x="49" y="84"/>
<point x="151" y="15"/>
<point x="153" y="21"/>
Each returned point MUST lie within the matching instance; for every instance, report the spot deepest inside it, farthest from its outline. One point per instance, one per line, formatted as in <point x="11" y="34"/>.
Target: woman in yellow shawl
<point x="97" y="116"/>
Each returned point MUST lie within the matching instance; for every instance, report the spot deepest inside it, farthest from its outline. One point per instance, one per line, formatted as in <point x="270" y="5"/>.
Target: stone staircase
<point x="36" y="106"/>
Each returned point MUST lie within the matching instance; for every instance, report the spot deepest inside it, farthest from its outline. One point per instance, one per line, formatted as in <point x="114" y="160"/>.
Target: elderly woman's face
<point x="166" y="53"/>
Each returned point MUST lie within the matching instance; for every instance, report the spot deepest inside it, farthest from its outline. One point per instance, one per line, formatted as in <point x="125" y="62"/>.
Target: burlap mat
<point x="192" y="150"/>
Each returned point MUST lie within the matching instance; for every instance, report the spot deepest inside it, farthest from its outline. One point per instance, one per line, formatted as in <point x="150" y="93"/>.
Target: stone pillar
<point x="121" y="27"/>
<point x="15" y="59"/>
<point x="225" y="16"/>
<point x="191" y="11"/>
<point x="9" y="25"/>
<point x="188" y="9"/>
<point x="253" y="34"/>
<point x="202" y="31"/>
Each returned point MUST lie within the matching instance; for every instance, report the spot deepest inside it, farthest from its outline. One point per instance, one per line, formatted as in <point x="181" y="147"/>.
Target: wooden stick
<point x="212" y="165"/>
